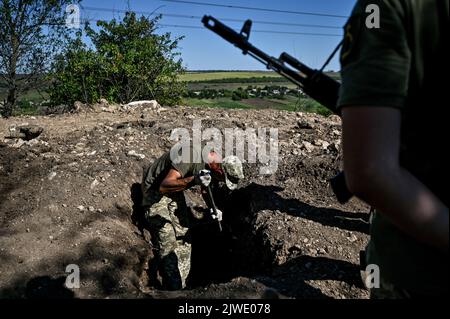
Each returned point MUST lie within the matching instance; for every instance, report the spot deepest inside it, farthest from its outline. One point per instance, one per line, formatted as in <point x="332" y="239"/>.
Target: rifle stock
<point x="314" y="83"/>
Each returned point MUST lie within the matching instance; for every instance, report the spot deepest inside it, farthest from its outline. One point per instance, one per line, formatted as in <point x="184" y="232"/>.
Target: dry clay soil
<point x="66" y="197"/>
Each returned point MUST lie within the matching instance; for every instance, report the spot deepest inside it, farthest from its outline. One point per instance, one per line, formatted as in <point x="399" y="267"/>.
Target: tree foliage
<point x="128" y="61"/>
<point x="31" y="33"/>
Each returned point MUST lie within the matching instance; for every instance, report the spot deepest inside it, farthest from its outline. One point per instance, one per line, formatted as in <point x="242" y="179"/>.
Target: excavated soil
<point x="66" y="197"/>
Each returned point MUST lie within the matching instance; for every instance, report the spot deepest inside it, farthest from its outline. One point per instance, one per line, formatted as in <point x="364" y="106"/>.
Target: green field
<point x="217" y="80"/>
<point x="233" y="86"/>
<point x="287" y="104"/>
<point x="207" y="76"/>
<point x="221" y="103"/>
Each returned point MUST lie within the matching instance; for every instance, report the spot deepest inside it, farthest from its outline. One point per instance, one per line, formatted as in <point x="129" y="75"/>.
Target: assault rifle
<point x="313" y="82"/>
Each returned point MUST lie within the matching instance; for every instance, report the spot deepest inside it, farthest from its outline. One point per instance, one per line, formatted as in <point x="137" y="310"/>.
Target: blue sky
<point x="201" y="49"/>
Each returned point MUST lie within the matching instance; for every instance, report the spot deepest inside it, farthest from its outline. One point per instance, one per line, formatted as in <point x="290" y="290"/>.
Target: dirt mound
<point x="66" y="197"/>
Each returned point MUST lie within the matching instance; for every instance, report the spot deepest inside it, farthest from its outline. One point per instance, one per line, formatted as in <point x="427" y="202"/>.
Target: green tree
<point x="239" y="94"/>
<point x="309" y="105"/>
<point x="76" y="75"/>
<point x="128" y="61"/>
<point x="31" y="33"/>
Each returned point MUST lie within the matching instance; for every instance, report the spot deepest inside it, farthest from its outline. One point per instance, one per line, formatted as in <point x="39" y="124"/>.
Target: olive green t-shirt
<point x="401" y="65"/>
<point x="187" y="165"/>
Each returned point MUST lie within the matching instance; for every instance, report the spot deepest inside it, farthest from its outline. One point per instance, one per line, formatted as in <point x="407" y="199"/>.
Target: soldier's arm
<point x="371" y="144"/>
<point x="173" y="182"/>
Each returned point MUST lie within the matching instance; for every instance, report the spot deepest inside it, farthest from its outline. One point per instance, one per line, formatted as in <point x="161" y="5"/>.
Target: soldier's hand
<point x="203" y="178"/>
<point x="217" y="216"/>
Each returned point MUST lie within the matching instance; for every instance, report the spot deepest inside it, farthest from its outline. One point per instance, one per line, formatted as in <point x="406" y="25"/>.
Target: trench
<point x="245" y="248"/>
<point x="237" y="250"/>
<point x="241" y="249"/>
<point x="219" y="256"/>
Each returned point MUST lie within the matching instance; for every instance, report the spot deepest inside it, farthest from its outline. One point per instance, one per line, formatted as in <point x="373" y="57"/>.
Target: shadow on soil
<point x="218" y="257"/>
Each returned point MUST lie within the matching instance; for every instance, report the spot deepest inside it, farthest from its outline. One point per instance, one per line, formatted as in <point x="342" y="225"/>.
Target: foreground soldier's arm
<point x="374" y="174"/>
<point x="174" y="182"/>
<point x="388" y="85"/>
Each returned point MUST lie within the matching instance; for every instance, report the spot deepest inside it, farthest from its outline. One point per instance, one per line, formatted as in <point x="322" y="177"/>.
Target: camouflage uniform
<point x="168" y="216"/>
<point x="397" y="65"/>
<point x="168" y="219"/>
<point x="169" y="224"/>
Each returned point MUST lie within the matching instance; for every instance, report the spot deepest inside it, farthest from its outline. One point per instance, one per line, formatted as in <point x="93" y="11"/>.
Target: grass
<point x="220" y="75"/>
<point x="199" y="80"/>
<point x="26" y="107"/>
<point x="202" y="80"/>
<point x="234" y="86"/>
<point x="289" y="104"/>
<point x="27" y="103"/>
<point x="207" y="76"/>
<point x="221" y="103"/>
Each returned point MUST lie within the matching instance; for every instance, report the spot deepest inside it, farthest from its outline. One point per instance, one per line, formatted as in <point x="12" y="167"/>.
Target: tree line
<point x="120" y="60"/>
<point x="271" y="91"/>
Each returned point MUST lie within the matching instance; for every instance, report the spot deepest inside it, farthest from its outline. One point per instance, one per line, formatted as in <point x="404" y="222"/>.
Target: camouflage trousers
<point x="388" y="291"/>
<point x="169" y="224"/>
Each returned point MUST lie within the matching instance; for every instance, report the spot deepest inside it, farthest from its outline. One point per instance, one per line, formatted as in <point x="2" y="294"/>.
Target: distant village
<point x="275" y="91"/>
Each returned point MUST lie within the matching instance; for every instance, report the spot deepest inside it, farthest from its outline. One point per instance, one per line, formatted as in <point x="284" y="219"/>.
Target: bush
<point x="25" y="107"/>
<point x="77" y="76"/>
<point x="239" y="94"/>
<point x="128" y="62"/>
<point x="311" y="106"/>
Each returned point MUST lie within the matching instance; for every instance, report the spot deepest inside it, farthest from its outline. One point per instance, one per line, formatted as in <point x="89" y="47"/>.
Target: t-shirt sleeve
<point x="188" y="169"/>
<point x="188" y="166"/>
<point x="182" y="168"/>
<point x="375" y="62"/>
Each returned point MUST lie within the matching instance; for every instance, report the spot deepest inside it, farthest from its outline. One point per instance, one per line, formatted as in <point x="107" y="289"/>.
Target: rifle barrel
<point x="314" y="83"/>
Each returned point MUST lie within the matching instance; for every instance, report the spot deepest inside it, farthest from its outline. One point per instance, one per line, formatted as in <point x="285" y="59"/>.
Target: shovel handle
<point x="213" y="204"/>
